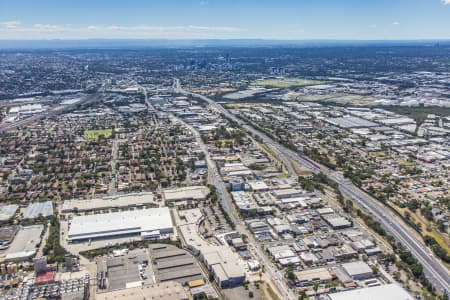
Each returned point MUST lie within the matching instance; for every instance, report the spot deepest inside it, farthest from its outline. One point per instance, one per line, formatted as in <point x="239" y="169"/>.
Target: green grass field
<point x="285" y="82"/>
<point x="407" y="163"/>
<point x="93" y="135"/>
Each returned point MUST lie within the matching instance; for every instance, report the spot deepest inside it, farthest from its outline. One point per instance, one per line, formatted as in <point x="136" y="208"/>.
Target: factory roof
<point x="398" y="121"/>
<point x="258" y="185"/>
<point x="325" y="211"/>
<point x="7" y="211"/>
<point x="382" y="292"/>
<point x="163" y="291"/>
<point x="286" y="192"/>
<point x="319" y="274"/>
<point x="356" y="268"/>
<point x="351" y="122"/>
<point x="108" y="202"/>
<point x="38" y="208"/>
<point x="126" y="222"/>
<point x="224" y="262"/>
<point x="338" y="222"/>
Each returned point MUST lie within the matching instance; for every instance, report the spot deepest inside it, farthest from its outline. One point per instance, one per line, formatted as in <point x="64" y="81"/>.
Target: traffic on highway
<point x="434" y="269"/>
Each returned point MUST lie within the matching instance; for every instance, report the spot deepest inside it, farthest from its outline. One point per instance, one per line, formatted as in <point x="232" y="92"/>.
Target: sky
<point x="225" y="19"/>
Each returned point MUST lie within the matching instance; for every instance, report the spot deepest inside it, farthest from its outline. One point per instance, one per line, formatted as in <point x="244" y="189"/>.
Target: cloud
<point x="398" y="23"/>
<point x="13" y="30"/>
<point x="9" y="24"/>
<point x="445" y="2"/>
<point x="204" y="2"/>
<point x="50" y="28"/>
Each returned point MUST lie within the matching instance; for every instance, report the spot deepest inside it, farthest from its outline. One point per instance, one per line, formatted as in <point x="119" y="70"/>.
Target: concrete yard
<point x="25" y="243"/>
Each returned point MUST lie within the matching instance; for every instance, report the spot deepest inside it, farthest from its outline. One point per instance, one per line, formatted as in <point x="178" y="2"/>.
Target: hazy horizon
<point x="216" y="19"/>
<point x="198" y="43"/>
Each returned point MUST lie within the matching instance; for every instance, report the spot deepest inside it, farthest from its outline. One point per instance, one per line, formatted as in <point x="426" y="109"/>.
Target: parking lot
<point x="215" y="219"/>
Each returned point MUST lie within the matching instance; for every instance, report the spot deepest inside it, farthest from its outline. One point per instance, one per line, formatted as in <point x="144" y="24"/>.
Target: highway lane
<point x="435" y="271"/>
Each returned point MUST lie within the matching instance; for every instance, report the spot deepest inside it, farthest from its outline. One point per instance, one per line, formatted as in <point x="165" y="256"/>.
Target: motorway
<point x="433" y="268"/>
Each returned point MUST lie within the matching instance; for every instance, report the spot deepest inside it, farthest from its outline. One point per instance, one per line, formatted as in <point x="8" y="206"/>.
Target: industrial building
<point x="337" y="222"/>
<point x="109" y="202"/>
<point x="123" y="270"/>
<point x="281" y="252"/>
<point x="307" y="277"/>
<point x="287" y="193"/>
<point x="358" y="270"/>
<point x="34" y="210"/>
<point x="224" y="264"/>
<point x="219" y="259"/>
<point x="348" y="122"/>
<point x="174" y="264"/>
<point x="258" y="186"/>
<point x="8" y="211"/>
<point x="243" y="202"/>
<point x="148" y="223"/>
<point x="382" y="292"/>
<point x="167" y="291"/>
<point x="132" y="108"/>
<point x="27" y="109"/>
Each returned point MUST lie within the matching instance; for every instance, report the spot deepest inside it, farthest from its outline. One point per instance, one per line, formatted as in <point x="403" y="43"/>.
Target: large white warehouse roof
<point x="121" y="223"/>
<point x="382" y="292"/>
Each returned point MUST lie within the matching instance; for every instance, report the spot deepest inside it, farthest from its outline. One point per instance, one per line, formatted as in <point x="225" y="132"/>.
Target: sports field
<point x="93" y="135"/>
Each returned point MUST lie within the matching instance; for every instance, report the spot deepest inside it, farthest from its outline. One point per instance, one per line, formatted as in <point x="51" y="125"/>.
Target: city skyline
<point x="215" y="19"/>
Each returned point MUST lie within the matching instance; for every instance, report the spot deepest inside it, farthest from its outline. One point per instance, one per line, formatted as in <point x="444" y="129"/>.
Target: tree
<point x="348" y="206"/>
<point x="407" y="215"/>
<point x="396" y="275"/>
<point x="290" y="275"/>
<point x="315" y="288"/>
<point x="416" y="269"/>
<point x="244" y="237"/>
<point x="375" y="269"/>
<point x="441" y="225"/>
<point x="302" y="295"/>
